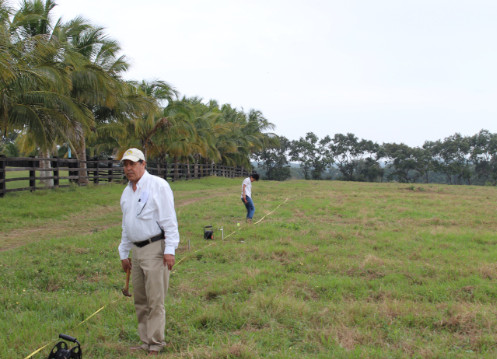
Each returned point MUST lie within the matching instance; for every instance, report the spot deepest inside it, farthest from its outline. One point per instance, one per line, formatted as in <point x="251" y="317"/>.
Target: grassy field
<point x="330" y="270"/>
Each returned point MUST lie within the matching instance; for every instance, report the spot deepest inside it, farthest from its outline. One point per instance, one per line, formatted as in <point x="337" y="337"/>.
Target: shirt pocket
<point x="145" y="211"/>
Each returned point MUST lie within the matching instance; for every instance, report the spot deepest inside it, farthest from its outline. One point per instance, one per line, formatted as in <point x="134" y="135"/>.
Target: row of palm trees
<point x="62" y="84"/>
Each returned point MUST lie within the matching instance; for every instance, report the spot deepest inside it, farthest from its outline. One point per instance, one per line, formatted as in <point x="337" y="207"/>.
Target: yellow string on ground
<point x="95" y="313"/>
<point x="267" y="214"/>
<point x="37" y="350"/>
<point x="181" y="260"/>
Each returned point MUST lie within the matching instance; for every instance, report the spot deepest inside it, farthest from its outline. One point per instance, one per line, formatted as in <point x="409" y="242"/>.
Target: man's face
<point x="133" y="170"/>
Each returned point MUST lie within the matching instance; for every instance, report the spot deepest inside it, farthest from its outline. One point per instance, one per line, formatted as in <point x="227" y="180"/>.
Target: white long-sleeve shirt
<point x="146" y="211"/>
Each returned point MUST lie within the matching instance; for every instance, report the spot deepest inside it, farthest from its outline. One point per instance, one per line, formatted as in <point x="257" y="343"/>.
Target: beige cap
<point x="133" y="154"/>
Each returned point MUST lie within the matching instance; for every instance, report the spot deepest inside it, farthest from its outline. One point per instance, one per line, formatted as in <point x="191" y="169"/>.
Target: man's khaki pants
<point x="150" y="280"/>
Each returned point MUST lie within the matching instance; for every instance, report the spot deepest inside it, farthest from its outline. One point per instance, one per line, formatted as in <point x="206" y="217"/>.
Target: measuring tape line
<point x="278" y="206"/>
<point x="36" y="351"/>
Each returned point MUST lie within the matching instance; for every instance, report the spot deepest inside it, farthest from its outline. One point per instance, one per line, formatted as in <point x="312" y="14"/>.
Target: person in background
<point x="150" y="230"/>
<point x="247" y="195"/>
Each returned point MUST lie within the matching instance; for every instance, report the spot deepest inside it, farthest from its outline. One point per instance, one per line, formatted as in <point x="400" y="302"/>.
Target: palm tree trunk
<point x="81" y="154"/>
<point x="195" y="167"/>
<point x="45" y="166"/>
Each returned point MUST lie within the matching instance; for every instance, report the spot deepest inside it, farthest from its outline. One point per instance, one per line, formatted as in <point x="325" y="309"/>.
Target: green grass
<point x="334" y="269"/>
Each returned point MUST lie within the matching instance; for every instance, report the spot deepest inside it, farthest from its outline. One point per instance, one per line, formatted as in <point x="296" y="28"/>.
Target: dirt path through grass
<point x="90" y="221"/>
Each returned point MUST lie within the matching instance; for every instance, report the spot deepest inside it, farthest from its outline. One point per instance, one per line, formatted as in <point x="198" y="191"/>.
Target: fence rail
<point x="55" y="172"/>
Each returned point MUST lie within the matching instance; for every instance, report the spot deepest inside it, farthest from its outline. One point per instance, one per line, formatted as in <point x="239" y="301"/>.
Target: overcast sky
<point x="385" y="70"/>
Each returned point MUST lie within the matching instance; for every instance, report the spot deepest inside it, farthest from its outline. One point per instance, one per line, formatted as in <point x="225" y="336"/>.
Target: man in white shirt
<point x="247" y="195"/>
<point x="150" y="230"/>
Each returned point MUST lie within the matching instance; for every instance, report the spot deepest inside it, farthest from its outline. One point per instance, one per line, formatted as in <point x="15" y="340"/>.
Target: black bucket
<point x="208" y="232"/>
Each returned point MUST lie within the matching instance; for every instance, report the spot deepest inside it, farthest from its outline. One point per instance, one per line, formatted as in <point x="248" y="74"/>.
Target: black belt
<point x="150" y="240"/>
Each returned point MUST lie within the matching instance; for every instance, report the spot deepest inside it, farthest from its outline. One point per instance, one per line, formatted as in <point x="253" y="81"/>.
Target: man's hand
<point x="169" y="261"/>
<point x="126" y="263"/>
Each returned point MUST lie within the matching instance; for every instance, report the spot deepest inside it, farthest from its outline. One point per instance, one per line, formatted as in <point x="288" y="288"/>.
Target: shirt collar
<point x="142" y="181"/>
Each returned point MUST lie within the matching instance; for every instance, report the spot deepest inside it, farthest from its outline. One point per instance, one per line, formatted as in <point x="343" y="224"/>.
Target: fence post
<point x="32" y="175"/>
<point x="69" y="166"/>
<point x="164" y="174"/>
<point x="89" y="165"/>
<point x="95" y="172"/>
<point x="55" y="169"/>
<point x="79" y="172"/>
<point x="110" y="166"/>
<point x="73" y="164"/>
<point x="3" y="161"/>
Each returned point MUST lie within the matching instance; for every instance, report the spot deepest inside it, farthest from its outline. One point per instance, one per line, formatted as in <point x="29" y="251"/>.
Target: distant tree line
<point x="454" y="160"/>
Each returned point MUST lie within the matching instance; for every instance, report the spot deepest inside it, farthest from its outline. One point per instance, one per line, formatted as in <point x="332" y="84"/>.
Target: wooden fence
<point x="61" y="172"/>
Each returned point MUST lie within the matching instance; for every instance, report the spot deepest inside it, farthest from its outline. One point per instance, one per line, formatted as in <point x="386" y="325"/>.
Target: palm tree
<point x="95" y="76"/>
<point x="7" y="68"/>
<point x="140" y="128"/>
<point x="39" y="100"/>
<point x="202" y="145"/>
<point x="86" y="64"/>
<point x="245" y="137"/>
<point x="118" y="127"/>
<point x="175" y="138"/>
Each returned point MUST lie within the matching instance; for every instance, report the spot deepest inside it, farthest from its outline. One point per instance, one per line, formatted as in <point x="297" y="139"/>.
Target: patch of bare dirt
<point x="75" y="224"/>
<point x="98" y="219"/>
